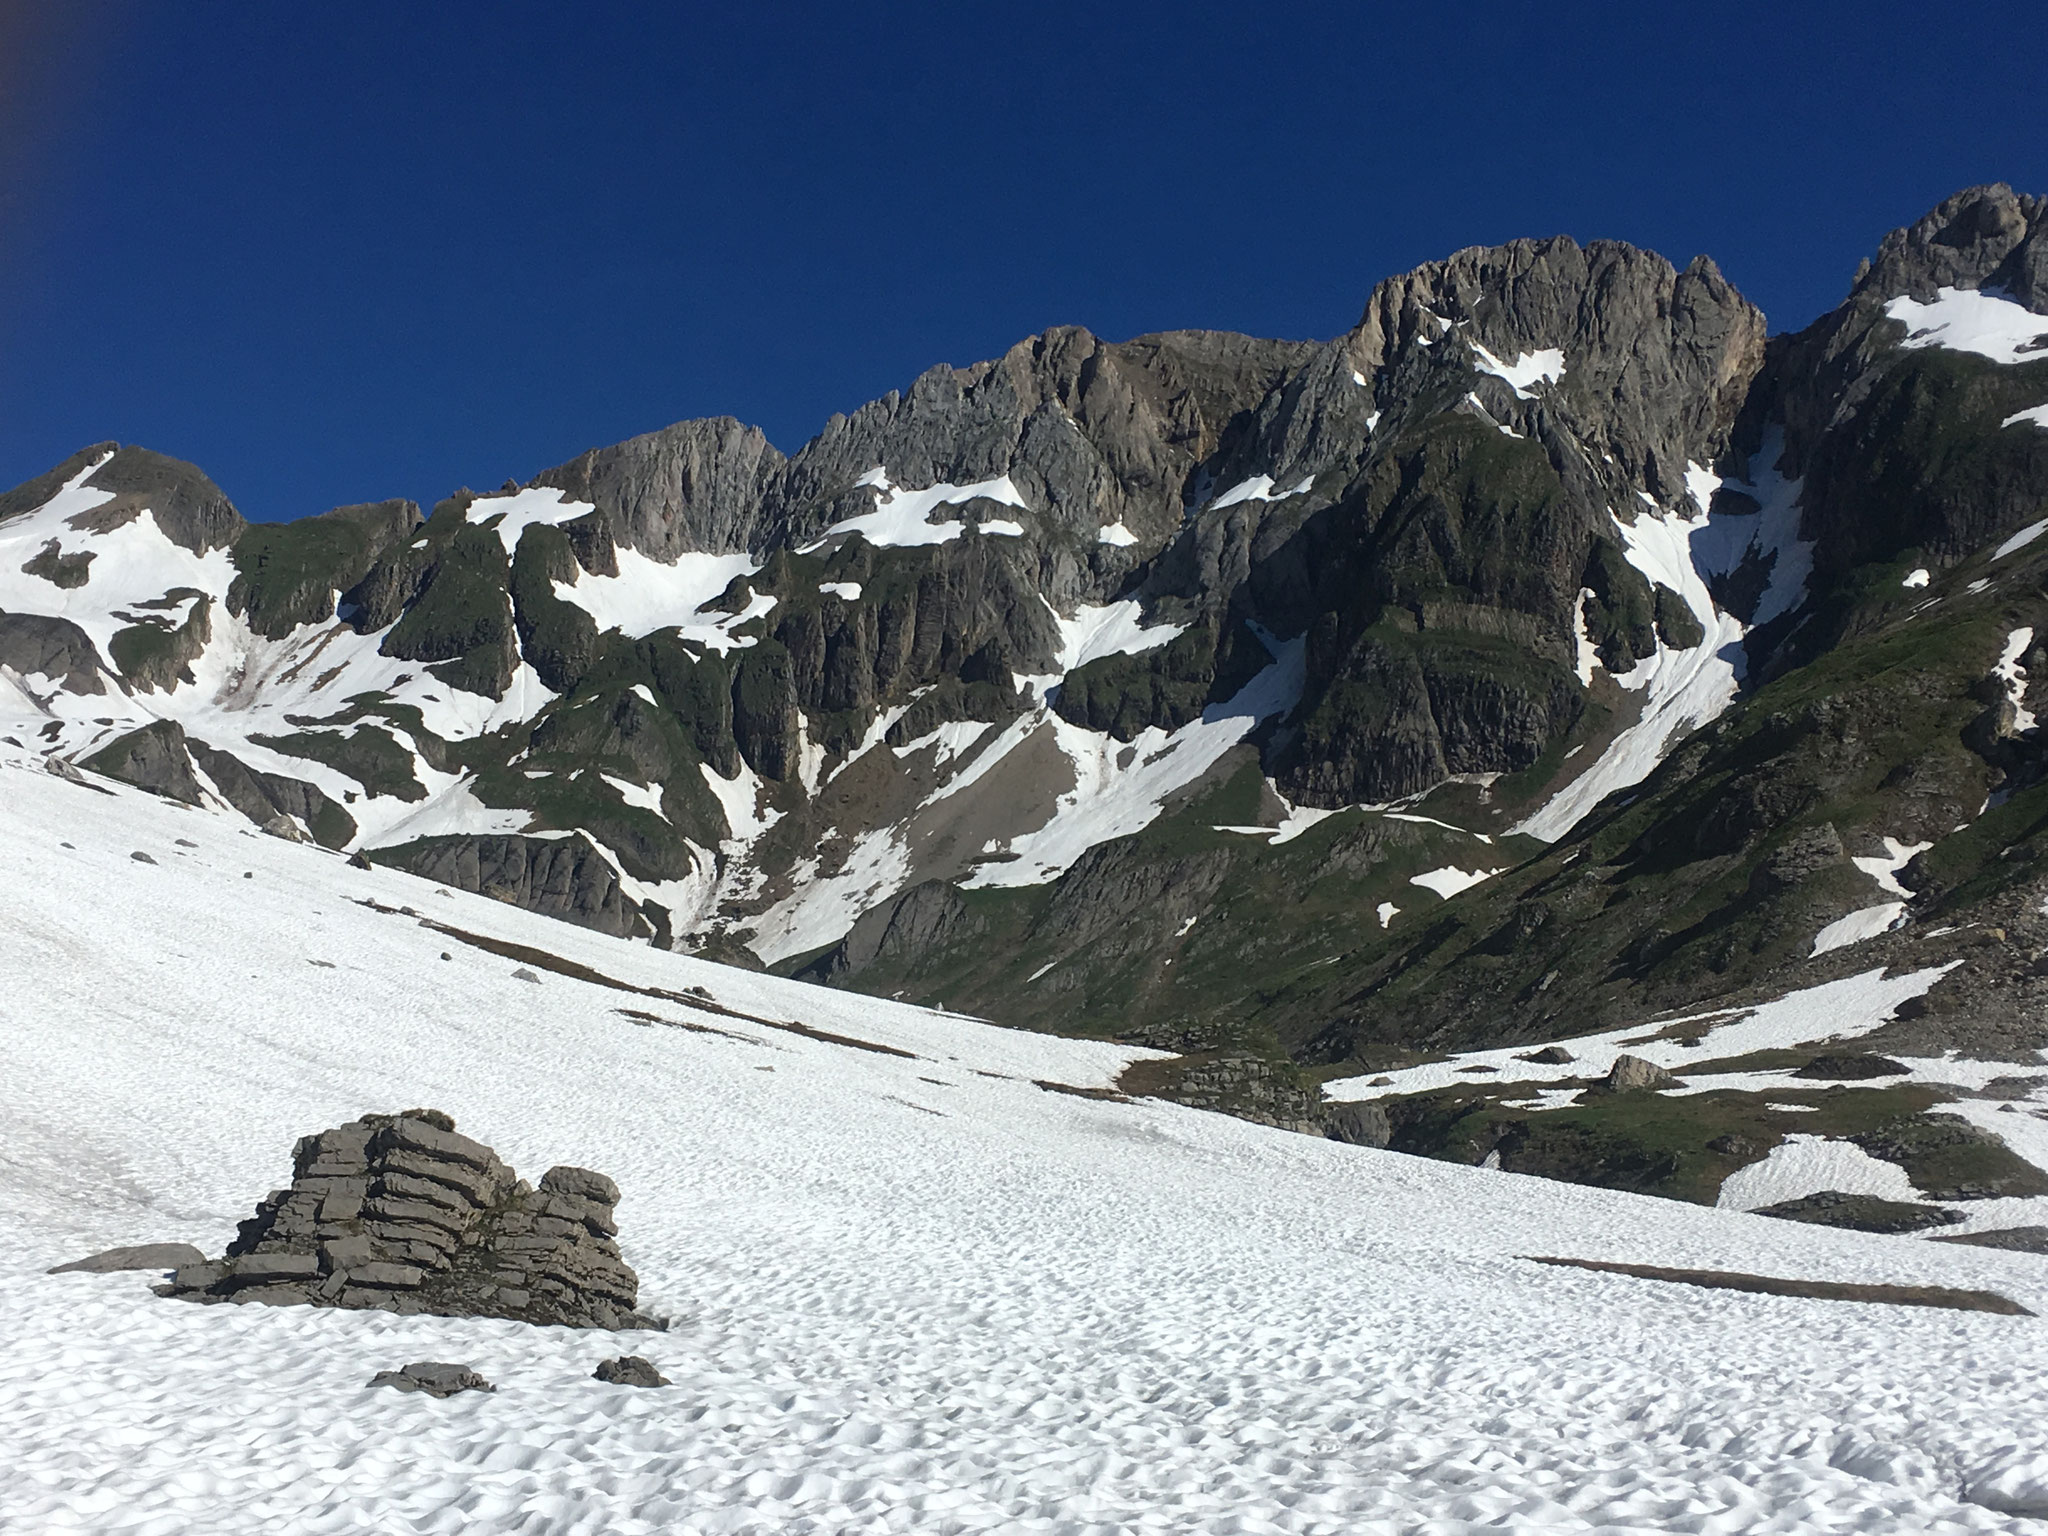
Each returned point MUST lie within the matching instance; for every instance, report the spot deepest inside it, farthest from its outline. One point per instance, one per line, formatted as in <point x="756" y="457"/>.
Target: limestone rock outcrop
<point x="400" y="1213"/>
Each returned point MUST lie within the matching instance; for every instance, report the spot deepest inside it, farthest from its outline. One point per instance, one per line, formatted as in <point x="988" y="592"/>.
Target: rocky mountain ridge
<point x="1554" y="645"/>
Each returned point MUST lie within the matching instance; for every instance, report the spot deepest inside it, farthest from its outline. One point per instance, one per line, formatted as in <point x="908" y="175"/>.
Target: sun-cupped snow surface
<point x="908" y="1294"/>
<point x="1260" y="488"/>
<point x="648" y="595"/>
<point x="1806" y="1165"/>
<point x="1528" y="368"/>
<point x="1969" y="320"/>
<point x="903" y="517"/>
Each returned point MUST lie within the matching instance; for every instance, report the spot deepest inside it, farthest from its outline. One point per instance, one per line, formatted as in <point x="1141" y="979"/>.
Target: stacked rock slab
<point x="399" y="1212"/>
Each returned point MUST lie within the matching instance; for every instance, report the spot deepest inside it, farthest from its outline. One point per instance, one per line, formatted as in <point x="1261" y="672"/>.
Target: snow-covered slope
<point x="909" y="1293"/>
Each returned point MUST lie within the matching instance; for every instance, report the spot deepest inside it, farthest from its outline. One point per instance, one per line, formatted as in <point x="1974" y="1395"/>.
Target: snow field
<point x="903" y="517"/>
<point x="1527" y="370"/>
<point x="909" y="1295"/>
<point x="1684" y="689"/>
<point x="1968" y="320"/>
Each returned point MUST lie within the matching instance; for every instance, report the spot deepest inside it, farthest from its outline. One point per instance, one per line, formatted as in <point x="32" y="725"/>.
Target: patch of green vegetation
<point x="1949" y="1158"/>
<point x="155" y="654"/>
<point x="369" y="754"/>
<point x="616" y="731"/>
<point x="286" y="574"/>
<point x="461" y="621"/>
<point x="1165" y="687"/>
<point x="1108" y="951"/>
<point x="558" y="638"/>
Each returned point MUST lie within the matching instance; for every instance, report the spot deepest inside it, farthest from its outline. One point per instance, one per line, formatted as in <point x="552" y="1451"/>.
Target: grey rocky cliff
<point x="36" y="644"/>
<point x="193" y="512"/>
<point x="558" y="877"/>
<point x="399" y="1213"/>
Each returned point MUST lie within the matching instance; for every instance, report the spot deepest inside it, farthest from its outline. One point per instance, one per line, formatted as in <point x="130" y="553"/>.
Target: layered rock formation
<point x="400" y="1213"/>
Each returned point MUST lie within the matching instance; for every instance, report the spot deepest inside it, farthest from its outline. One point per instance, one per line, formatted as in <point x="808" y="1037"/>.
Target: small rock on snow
<point x="436" y="1378"/>
<point x="629" y="1371"/>
<point x="138" y="1256"/>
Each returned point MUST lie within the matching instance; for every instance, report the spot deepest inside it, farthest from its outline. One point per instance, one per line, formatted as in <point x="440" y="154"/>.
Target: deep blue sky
<point x="344" y="251"/>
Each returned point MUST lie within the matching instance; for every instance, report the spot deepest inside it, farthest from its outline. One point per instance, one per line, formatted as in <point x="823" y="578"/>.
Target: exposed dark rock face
<point x="1362" y="1124"/>
<point x="401" y="1214"/>
<point x="460" y="620"/>
<point x="31" y="494"/>
<point x="192" y="511"/>
<point x="41" y="644"/>
<point x="160" y="758"/>
<point x="561" y="877"/>
<point x="1861" y="1213"/>
<point x="263" y="797"/>
<point x="65" y="571"/>
<point x="153" y="757"/>
<point x="138" y="1256"/>
<point x="155" y="653"/>
<point x="1249" y="1087"/>
<point x="697" y="485"/>
<point x="911" y="925"/>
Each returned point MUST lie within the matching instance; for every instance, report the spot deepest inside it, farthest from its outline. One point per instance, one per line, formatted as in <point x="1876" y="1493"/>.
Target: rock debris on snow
<point x="436" y="1378"/>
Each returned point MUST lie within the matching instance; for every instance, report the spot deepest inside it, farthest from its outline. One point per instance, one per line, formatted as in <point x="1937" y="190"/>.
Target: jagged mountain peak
<point x="1985" y="237"/>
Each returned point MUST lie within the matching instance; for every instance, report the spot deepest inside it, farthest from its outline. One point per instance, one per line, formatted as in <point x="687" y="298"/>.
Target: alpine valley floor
<point x="909" y="1292"/>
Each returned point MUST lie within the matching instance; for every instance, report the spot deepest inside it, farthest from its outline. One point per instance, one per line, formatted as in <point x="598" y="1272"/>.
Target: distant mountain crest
<point x="967" y="696"/>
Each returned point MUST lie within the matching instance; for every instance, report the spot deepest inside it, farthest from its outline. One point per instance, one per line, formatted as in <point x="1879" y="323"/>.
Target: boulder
<point x="436" y="1378"/>
<point x="402" y="1213"/>
<point x="1361" y="1123"/>
<point x="1548" y="1056"/>
<point x="630" y="1371"/>
<point x="1631" y="1073"/>
<point x="139" y="1256"/>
